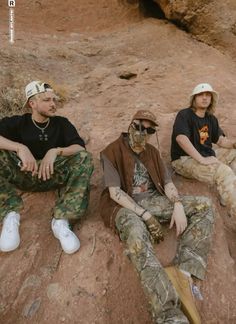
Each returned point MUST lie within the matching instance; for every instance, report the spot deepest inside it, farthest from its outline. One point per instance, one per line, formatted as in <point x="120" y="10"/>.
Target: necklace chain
<point x="41" y="128"/>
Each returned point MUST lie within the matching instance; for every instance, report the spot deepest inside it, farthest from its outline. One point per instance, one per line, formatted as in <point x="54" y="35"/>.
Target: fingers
<point x="45" y="171"/>
<point x="180" y="228"/>
<point x="29" y="166"/>
<point x="210" y="160"/>
<point x="213" y="161"/>
<point x="35" y="169"/>
<point x="46" y="168"/>
<point x="171" y="222"/>
<point x="28" y="162"/>
<point x="155" y="230"/>
<point x="43" y="174"/>
<point x="158" y="237"/>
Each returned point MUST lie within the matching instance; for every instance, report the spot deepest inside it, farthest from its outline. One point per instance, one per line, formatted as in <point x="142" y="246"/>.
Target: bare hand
<point x="29" y="164"/>
<point x="179" y="218"/>
<point x="209" y="160"/>
<point x="46" y="168"/>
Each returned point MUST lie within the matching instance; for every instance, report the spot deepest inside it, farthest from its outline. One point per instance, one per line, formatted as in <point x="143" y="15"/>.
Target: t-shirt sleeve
<point x="71" y="135"/>
<point x="216" y="130"/>
<point x="8" y="127"/>
<point x="182" y="125"/>
<point x="111" y="176"/>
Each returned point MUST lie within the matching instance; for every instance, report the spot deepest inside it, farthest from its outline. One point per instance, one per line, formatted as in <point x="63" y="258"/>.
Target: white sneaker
<point x="69" y="241"/>
<point x="10" y="237"/>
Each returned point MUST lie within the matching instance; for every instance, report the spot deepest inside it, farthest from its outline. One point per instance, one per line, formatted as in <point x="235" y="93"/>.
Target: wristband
<point x="145" y="210"/>
<point x="60" y="151"/>
<point x="175" y="199"/>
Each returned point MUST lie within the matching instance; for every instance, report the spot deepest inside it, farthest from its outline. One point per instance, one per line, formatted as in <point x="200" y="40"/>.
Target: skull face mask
<point x="137" y="138"/>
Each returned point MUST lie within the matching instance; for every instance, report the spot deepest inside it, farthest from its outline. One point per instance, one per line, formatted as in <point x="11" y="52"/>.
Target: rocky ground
<point x="108" y="61"/>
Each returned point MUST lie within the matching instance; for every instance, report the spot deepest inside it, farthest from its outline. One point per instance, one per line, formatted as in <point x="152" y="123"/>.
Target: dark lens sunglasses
<point x="140" y="127"/>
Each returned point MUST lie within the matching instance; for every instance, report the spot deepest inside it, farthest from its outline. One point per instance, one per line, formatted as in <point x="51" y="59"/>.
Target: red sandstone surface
<point x="85" y="47"/>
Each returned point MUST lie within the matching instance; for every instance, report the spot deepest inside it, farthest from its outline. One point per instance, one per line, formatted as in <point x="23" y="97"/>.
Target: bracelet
<point x="175" y="199"/>
<point x="60" y="151"/>
<point x="145" y="210"/>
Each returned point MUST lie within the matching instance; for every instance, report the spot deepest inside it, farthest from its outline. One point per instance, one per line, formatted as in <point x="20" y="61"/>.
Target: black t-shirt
<point x="202" y="132"/>
<point x="58" y="133"/>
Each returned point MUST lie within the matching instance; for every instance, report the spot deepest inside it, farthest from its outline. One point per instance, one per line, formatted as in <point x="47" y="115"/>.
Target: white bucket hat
<point x="34" y="88"/>
<point x="205" y="87"/>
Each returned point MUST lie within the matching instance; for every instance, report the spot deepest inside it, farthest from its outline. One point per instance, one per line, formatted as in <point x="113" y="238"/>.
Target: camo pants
<point x="191" y="256"/>
<point x="71" y="178"/>
<point x="222" y="175"/>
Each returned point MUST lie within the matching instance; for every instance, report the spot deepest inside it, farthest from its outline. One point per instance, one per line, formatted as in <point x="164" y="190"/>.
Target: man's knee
<point x="8" y="163"/>
<point x="222" y="172"/>
<point x="83" y="156"/>
<point x="204" y="208"/>
<point x="138" y="238"/>
<point x="84" y="160"/>
<point x="130" y="226"/>
<point x="5" y="156"/>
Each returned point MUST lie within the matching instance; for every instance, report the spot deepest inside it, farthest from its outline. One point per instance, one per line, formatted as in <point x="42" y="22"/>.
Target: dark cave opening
<point x="150" y="8"/>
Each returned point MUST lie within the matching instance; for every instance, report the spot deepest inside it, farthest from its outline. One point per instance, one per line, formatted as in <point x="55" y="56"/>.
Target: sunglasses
<point x="140" y="127"/>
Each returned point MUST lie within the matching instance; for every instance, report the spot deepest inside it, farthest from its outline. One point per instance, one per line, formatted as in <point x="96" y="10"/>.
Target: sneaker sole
<point x="9" y="249"/>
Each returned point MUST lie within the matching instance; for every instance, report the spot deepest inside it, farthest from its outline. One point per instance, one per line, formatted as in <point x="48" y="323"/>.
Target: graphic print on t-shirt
<point x="141" y="182"/>
<point x="204" y="135"/>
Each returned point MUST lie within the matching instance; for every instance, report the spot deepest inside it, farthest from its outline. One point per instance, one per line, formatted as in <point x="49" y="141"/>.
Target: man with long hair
<point x="193" y="156"/>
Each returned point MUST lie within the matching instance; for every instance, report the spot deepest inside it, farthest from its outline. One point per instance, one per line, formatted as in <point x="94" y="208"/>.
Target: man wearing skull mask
<point x="139" y="197"/>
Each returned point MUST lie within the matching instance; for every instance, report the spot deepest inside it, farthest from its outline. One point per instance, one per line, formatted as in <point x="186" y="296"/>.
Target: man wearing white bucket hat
<point x="195" y="130"/>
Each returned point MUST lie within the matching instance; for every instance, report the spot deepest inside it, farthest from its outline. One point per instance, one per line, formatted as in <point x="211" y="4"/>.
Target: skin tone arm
<point x="121" y="198"/>
<point x="225" y="142"/>
<point x="29" y="164"/>
<point x="188" y="147"/>
<point x="178" y="216"/>
<point x="28" y="161"/>
<point x="8" y="145"/>
<point x="46" y="168"/>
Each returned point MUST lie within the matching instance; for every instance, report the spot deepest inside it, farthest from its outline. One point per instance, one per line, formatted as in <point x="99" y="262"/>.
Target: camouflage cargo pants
<point x="71" y="177"/>
<point x="191" y="256"/>
<point x="222" y="175"/>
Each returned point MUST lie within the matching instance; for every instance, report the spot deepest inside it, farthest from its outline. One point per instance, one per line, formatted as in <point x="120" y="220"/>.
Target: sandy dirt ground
<point x="110" y="62"/>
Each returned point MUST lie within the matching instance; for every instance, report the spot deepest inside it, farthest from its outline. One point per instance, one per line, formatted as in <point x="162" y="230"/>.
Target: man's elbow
<point x="113" y="192"/>
<point x="222" y="141"/>
<point x="180" y="138"/>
